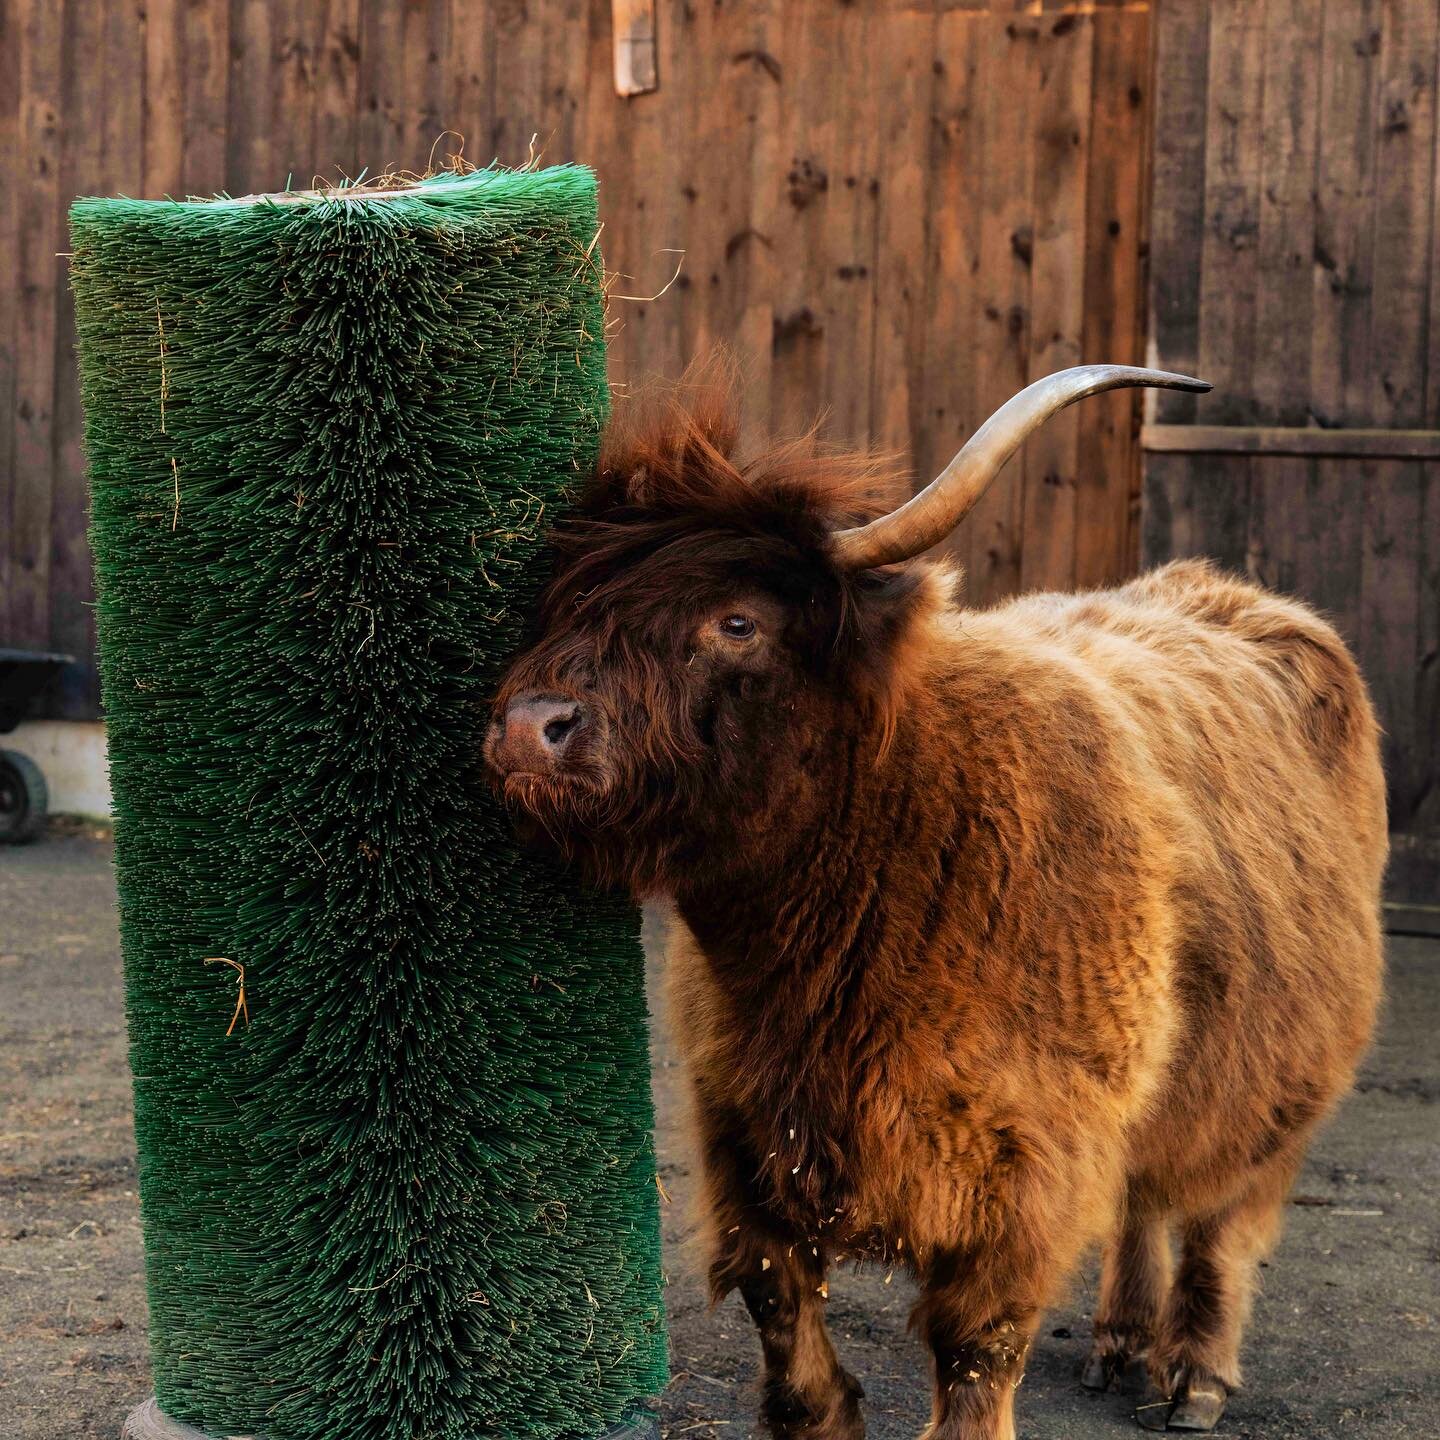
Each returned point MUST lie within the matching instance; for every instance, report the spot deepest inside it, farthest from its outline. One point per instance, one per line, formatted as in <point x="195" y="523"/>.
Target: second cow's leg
<point x="1134" y="1280"/>
<point x="1196" y="1358"/>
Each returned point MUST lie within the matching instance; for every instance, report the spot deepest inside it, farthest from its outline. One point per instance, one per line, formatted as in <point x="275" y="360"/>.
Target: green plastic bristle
<point x="414" y="1194"/>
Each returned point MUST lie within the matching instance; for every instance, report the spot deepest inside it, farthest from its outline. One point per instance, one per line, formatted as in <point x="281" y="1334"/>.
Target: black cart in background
<point x="24" y="796"/>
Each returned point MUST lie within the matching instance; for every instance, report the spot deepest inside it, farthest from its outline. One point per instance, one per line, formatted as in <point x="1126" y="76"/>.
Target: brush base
<point x="148" y="1421"/>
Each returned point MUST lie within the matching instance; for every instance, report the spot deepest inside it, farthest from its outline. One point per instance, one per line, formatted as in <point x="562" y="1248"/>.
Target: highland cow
<point x="1002" y="932"/>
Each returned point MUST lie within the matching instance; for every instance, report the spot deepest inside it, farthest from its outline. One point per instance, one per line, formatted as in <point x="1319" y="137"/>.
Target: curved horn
<point x="932" y="514"/>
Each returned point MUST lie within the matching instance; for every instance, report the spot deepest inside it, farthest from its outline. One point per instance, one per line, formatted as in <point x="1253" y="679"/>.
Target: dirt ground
<point x="1346" y="1338"/>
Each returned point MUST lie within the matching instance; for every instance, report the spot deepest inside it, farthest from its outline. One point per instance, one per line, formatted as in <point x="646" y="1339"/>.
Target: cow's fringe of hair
<point x="674" y="442"/>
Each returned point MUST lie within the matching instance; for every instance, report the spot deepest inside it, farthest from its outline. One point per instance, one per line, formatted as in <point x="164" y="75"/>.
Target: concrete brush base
<point x="148" y="1421"/>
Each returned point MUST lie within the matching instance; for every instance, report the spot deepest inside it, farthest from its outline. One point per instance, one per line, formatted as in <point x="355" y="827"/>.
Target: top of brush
<point x="443" y="188"/>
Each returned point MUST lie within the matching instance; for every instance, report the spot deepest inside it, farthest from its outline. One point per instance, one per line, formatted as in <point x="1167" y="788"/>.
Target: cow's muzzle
<point x="534" y="735"/>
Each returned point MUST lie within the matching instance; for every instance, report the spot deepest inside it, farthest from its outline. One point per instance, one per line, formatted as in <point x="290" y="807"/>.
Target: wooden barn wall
<point x="898" y="213"/>
<point x="1296" y="264"/>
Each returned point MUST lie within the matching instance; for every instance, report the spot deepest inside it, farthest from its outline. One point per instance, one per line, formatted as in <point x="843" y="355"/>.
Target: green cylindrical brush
<point x="391" y="1086"/>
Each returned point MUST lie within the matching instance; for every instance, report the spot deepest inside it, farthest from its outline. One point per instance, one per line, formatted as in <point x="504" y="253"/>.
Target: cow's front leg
<point x="805" y="1388"/>
<point x="781" y="1278"/>
<point x="978" y="1365"/>
<point x="978" y="1310"/>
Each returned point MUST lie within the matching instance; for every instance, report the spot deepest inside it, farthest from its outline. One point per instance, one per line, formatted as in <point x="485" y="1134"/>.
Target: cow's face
<point x="700" y="667"/>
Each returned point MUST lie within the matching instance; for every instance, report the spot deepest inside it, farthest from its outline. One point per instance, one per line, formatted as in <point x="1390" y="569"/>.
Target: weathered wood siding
<point x="1296" y="264"/>
<point x="896" y="212"/>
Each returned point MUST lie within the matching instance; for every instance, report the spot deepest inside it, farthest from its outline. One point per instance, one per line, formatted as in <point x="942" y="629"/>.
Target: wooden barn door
<point x="1295" y="263"/>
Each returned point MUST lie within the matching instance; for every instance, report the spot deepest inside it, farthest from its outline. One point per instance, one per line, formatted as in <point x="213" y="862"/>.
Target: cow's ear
<point x="887" y="584"/>
<point x="639" y="489"/>
<point x="618" y="484"/>
<point x="884" y="601"/>
<point x="663" y="439"/>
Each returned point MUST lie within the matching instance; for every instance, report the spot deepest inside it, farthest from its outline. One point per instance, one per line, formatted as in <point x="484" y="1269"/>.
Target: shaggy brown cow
<point x="1003" y="931"/>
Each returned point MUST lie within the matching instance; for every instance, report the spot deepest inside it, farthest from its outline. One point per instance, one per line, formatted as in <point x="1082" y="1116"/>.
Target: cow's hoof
<point x="1124" y="1374"/>
<point x="1197" y="1407"/>
<point x="785" y="1415"/>
<point x="1153" y="1410"/>
<point x="1200" y="1407"/>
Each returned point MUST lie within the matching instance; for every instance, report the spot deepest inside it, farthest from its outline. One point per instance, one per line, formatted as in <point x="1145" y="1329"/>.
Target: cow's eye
<point x="737" y="627"/>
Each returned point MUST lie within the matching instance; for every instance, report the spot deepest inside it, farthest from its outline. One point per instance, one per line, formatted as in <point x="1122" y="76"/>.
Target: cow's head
<point x="720" y="634"/>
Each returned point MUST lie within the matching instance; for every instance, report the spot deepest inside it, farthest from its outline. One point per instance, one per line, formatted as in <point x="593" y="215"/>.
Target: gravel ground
<point x="1345" y="1341"/>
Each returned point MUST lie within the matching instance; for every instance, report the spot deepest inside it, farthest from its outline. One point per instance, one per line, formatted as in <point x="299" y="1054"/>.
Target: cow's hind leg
<point x="1195" y="1362"/>
<point x="1134" y="1280"/>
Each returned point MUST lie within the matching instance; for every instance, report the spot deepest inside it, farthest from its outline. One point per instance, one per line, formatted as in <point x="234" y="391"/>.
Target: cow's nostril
<point x="559" y="728"/>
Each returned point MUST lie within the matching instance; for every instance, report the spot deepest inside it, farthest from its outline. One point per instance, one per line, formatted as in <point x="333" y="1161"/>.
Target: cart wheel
<point x="23" y="797"/>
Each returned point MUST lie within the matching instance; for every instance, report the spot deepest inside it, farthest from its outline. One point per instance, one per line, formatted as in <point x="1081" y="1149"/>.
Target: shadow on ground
<point x="1345" y="1342"/>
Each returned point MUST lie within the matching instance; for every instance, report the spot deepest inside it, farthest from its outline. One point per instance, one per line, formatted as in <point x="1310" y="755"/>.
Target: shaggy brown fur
<point x="1003" y="932"/>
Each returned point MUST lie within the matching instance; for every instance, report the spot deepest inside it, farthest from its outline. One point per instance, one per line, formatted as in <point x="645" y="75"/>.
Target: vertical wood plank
<point x="1404" y="204"/>
<point x="948" y="384"/>
<point x="1329" y="525"/>
<point x="82" y="172"/>
<point x="427" y="40"/>
<point x="723" y="84"/>
<point x="380" y="119"/>
<point x="112" y="71"/>
<point x="1177" y="222"/>
<point x="28" y="581"/>
<point x="206" y="45"/>
<point x="1273" y="538"/>
<point x="516" y="77"/>
<point x="1432" y="358"/>
<point x="1159" y="542"/>
<point x="598" y="138"/>
<point x="337" y="86"/>
<point x="771" y="83"/>
<point x="850" y="210"/>
<point x="162" y="163"/>
<point x="123" y="127"/>
<point x="248" y="167"/>
<point x="1306" y="533"/>
<point x="1344" y="245"/>
<point x="294" y="52"/>
<point x="1233" y="146"/>
<point x="993" y="532"/>
<point x="1425" y="765"/>
<point x="469" y="88"/>
<point x="800" y="185"/>
<point x="1286" y="248"/>
<point x="1345" y="215"/>
<point x="1390" y="601"/>
<point x="641" y="208"/>
<point x="1063" y="137"/>
<point x="1108" y="488"/>
<point x="10" y="180"/>
<point x="566" y="78"/>
<point x="896" y="399"/>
